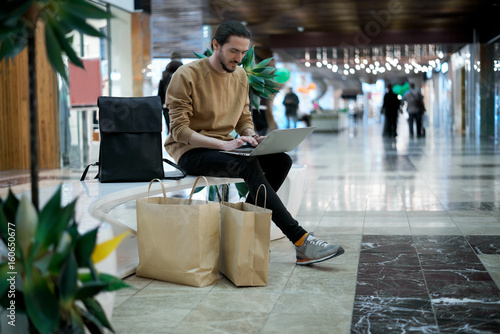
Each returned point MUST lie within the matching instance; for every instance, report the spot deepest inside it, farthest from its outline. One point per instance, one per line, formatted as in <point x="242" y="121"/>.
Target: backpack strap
<point x="87" y="169"/>
<point x="184" y="174"/>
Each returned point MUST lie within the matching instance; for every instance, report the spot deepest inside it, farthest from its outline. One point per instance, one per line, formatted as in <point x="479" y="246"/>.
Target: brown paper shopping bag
<point x="178" y="239"/>
<point x="245" y="241"/>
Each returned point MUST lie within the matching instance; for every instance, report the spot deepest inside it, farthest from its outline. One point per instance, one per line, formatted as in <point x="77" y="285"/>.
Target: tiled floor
<point x="420" y="222"/>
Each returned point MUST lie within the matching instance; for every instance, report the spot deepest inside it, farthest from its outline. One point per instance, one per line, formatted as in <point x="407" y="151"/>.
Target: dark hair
<point x="230" y="28"/>
<point x="171" y="68"/>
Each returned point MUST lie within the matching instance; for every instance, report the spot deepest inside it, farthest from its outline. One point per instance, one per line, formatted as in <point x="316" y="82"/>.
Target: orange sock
<point x="300" y="242"/>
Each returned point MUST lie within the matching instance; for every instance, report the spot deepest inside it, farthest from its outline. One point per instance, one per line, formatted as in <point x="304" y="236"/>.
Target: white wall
<point x="121" y="53"/>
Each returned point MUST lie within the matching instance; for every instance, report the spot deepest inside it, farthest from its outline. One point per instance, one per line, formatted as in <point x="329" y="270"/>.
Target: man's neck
<point x="214" y="61"/>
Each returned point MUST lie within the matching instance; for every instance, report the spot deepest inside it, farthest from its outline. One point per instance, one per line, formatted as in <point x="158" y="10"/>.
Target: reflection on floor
<point x="420" y="222"/>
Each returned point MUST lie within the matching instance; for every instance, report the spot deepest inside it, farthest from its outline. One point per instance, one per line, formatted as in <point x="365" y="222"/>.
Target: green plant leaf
<point x="96" y="310"/>
<point x="13" y="42"/>
<point x="93" y="324"/>
<point x="199" y="55"/>
<point x="68" y="279"/>
<point x="198" y="189"/>
<point x="78" y="23"/>
<point x="4" y="269"/>
<point x="263" y="63"/>
<point x="263" y="71"/>
<point x="53" y="220"/>
<point x="54" y="52"/>
<point x="90" y="289"/>
<point x="4" y="228"/>
<point x="212" y="193"/>
<point x="272" y="84"/>
<point x="84" y="247"/>
<point x="85" y="10"/>
<point x="77" y="324"/>
<point x="257" y="88"/>
<point x="64" y="43"/>
<point x="114" y="283"/>
<point x="41" y="303"/>
<point x="56" y="258"/>
<point x="255" y="80"/>
<point x="9" y="206"/>
<point x="249" y="59"/>
<point x="12" y="11"/>
<point x="242" y="188"/>
<point x="255" y="101"/>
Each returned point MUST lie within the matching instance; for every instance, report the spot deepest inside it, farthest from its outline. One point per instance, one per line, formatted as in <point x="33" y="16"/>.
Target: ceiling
<point x="341" y="29"/>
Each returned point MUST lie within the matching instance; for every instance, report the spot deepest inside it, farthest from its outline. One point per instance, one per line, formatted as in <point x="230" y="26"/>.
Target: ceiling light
<point x="444" y="67"/>
<point x="307" y="64"/>
<point x="300" y="28"/>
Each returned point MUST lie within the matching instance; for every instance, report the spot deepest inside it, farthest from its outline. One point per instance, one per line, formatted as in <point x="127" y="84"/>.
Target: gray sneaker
<point x="316" y="250"/>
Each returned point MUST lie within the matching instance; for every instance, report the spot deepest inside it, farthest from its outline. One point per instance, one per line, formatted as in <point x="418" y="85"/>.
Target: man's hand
<point x="235" y="143"/>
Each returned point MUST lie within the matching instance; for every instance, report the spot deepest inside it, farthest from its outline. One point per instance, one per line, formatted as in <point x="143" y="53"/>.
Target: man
<point x="171" y="67"/>
<point x="391" y="109"/>
<point x="291" y="103"/>
<point x="208" y="99"/>
<point x="414" y="106"/>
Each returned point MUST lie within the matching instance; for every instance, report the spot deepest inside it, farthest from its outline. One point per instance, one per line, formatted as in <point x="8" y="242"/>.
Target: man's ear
<point x="215" y="45"/>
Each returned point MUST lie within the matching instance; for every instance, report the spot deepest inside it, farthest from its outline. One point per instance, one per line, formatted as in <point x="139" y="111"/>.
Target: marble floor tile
<point x="216" y="321"/>
<point x="315" y="323"/>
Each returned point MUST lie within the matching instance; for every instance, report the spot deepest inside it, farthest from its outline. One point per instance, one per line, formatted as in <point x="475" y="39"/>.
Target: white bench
<point x="111" y="208"/>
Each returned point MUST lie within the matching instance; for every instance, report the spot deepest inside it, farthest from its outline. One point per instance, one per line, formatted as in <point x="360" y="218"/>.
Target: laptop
<point x="277" y="141"/>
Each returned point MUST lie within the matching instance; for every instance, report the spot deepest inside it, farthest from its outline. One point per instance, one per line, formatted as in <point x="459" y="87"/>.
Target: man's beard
<point x="224" y="67"/>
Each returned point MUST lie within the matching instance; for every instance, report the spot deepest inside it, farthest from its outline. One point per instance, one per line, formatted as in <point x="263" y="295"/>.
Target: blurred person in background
<point x="291" y="103"/>
<point x="174" y="64"/>
<point x="391" y="108"/>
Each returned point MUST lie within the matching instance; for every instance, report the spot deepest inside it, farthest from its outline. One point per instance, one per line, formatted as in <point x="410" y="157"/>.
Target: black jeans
<point x="270" y="170"/>
<point x="417" y="118"/>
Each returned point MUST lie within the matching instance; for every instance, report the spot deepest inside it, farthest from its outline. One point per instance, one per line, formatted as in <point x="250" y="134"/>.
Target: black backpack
<point x="130" y="140"/>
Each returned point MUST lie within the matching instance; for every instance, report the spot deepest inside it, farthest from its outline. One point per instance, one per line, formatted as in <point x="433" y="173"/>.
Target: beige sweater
<point x="203" y="100"/>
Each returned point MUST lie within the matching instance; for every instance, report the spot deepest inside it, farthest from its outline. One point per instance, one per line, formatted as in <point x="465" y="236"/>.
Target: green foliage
<point x="56" y="281"/>
<point x="261" y="77"/>
<point x="61" y="18"/>
<point x="214" y="193"/>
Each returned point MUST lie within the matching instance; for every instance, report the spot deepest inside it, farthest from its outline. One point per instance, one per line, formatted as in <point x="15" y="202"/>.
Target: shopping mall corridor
<point x="420" y="222"/>
<point x="419" y="219"/>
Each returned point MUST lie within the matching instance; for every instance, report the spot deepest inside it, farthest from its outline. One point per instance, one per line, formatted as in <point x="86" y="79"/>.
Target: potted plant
<point x="18" y="21"/>
<point x="48" y="280"/>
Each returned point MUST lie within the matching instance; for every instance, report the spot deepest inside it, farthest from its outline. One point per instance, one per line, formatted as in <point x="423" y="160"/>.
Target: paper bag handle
<point x="265" y="195"/>
<point x="162" y="187"/>
<point x="194" y="186"/>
